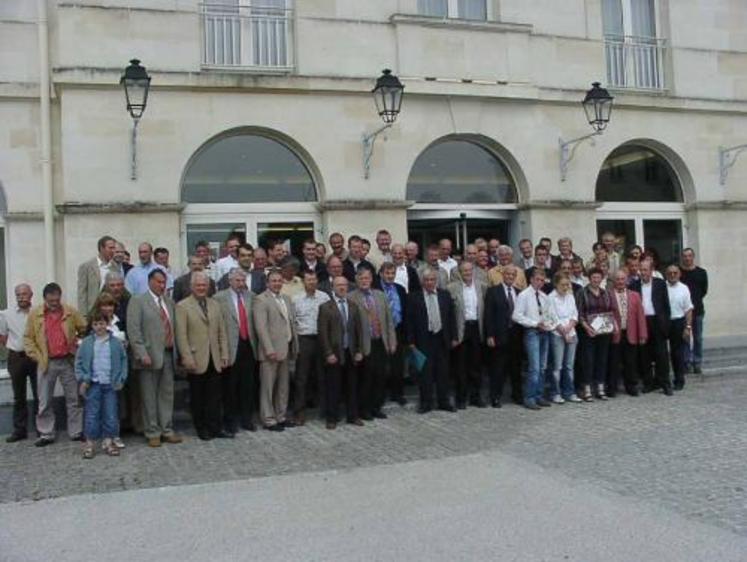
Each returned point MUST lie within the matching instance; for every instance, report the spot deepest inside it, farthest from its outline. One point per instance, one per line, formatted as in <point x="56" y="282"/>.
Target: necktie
<point x="203" y="307"/>
<point x="243" y="322"/>
<point x="510" y="292"/>
<point x="539" y="303"/>
<point x="434" y="315"/>
<point x="373" y="316"/>
<point x="342" y="305"/>
<point x="168" y="333"/>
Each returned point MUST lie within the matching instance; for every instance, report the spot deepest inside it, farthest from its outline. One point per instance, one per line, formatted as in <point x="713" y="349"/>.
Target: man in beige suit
<point x="379" y="341"/>
<point x="505" y="259"/>
<point x="92" y="273"/>
<point x="275" y="323"/>
<point x="201" y="336"/>
<point x="150" y="329"/>
<point x="468" y="295"/>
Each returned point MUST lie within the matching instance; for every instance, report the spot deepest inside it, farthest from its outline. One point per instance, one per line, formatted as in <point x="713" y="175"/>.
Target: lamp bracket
<point x="568" y="151"/>
<point x="727" y="157"/>
<point x="133" y="144"/>
<point x="368" y="140"/>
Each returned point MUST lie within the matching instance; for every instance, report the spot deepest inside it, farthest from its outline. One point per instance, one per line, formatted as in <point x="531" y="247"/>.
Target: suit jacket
<point x="457" y="293"/>
<point x="498" y="314"/>
<point x="35" y="336"/>
<point x="349" y="270"/>
<point x="89" y="284"/>
<point x="256" y="280"/>
<point x="270" y="327"/>
<point x="417" y="319"/>
<point x="478" y="273"/>
<point x="384" y="313"/>
<point x="413" y="280"/>
<point x="145" y="330"/>
<point x="403" y="305"/>
<point x="231" y="318"/>
<point x="201" y="338"/>
<point x="660" y="300"/>
<point x="495" y="277"/>
<point x="330" y="330"/>
<point x="635" y="329"/>
<point x="320" y="270"/>
<point x="182" y="287"/>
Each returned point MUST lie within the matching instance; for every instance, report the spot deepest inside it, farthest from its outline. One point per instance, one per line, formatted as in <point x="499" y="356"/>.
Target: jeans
<point x="694" y="352"/>
<point x="537" y="344"/>
<point x="101" y="413"/>
<point x="564" y="355"/>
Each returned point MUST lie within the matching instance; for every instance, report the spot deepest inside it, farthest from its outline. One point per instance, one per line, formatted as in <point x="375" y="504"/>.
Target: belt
<point x="18" y="353"/>
<point x="311" y="336"/>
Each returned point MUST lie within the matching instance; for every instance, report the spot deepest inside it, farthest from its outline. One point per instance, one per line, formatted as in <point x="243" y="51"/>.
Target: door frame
<point x="635" y="212"/>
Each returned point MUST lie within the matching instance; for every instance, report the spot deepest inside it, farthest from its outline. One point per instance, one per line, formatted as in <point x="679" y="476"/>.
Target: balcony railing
<point x="247" y="35"/>
<point x="635" y="62"/>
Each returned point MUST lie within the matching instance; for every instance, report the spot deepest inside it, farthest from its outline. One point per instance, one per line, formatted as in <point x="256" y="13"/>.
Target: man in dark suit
<point x="182" y="285"/>
<point x="340" y="333"/>
<point x="397" y="299"/>
<point x="431" y="329"/>
<point x="355" y="260"/>
<point x="256" y="280"/>
<point x="503" y="337"/>
<point x="655" y="300"/>
<point x="542" y="261"/>
<point x="404" y="275"/>
<point x="311" y="263"/>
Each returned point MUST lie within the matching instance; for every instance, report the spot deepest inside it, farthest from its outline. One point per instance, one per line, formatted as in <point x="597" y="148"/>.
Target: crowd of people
<point x="261" y="335"/>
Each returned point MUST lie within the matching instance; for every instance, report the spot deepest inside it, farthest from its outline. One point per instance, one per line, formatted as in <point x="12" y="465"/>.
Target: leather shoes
<point x="461" y="405"/>
<point x="495" y="403"/>
<point x="276" y="427"/>
<point x="356" y="421"/>
<point x="43" y="442"/>
<point x="367" y="418"/>
<point x="532" y="406"/>
<point x="402" y="401"/>
<point x="224" y="435"/>
<point x="379" y="415"/>
<point x="204" y="436"/>
<point x="301" y="419"/>
<point x="77" y="437"/>
<point x="668" y="391"/>
<point x="287" y="424"/>
<point x="172" y="438"/>
<point x="154" y="442"/>
<point x="447" y="408"/>
<point x="544" y="403"/>
<point x="12" y="438"/>
<point x="477" y="403"/>
<point x="249" y="426"/>
<point x="424" y="409"/>
<point x="331" y="425"/>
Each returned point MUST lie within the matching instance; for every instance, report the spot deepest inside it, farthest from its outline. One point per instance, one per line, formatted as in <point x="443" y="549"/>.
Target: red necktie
<point x="168" y="332"/>
<point x="243" y="323"/>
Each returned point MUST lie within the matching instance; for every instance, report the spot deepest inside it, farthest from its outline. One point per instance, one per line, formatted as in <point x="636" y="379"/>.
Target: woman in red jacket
<point x="627" y="340"/>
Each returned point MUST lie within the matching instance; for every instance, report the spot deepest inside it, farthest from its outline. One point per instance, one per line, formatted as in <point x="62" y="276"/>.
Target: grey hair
<point x="113" y="276"/>
<point x="236" y="272"/>
<point x="505" y="248"/>
<point x="198" y="275"/>
<point x="428" y="271"/>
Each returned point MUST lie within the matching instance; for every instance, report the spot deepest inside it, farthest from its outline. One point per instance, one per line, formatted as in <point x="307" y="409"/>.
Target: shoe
<point x="402" y="401"/>
<point x="43" y="441"/>
<point x="118" y="443"/>
<point x="517" y="401"/>
<point x="447" y="408"/>
<point x="544" y="403"/>
<point x="668" y="391"/>
<point x="558" y="400"/>
<point x="633" y="392"/>
<point x="356" y="421"/>
<point x="172" y="438"/>
<point x="573" y="398"/>
<point x="154" y="442"/>
<point x="13" y="437"/>
<point x="249" y="427"/>
<point x="495" y="403"/>
<point x="424" y="409"/>
<point x="600" y="392"/>
<point x="532" y="406"/>
<point x="224" y="435"/>
<point x="276" y="427"/>
<point x="697" y="370"/>
<point x="77" y="437"/>
<point x="109" y="448"/>
<point x="287" y="424"/>
<point x="300" y="419"/>
<point x="331" y="425"/>
<point x="679" y="386"/>
<point x="379" y="415"/>
<point x="461" y="405"/>
<point x="204" y="436"/>
<point x="477" y="403"/>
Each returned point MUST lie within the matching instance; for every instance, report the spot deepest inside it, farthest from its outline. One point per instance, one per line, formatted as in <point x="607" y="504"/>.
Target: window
<point x="633" y="52"/>
<point x="636" y="174"/>
<point x="456" y="9"/>
<point x="459" y="171"/>
<point x="247" y="168"/>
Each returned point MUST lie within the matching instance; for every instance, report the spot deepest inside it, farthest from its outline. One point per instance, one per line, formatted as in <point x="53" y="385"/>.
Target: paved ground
<point x="686" y="453"/>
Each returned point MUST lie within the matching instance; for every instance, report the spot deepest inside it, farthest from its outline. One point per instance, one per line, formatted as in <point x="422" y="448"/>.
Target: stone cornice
<point x="723" y="205"/>
<point x="74" y="208"/>
<point x="559" y="204"/>
<point x="23" y="216"/>
<point x="363" y="204"/>
<point x="450" y="23"/>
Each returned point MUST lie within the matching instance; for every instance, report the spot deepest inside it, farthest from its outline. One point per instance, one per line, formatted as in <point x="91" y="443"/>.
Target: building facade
<point x="257" y="109"/>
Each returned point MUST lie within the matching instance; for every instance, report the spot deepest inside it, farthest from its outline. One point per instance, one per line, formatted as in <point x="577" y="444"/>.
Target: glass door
<point x="623" y="229"/>
<point x="659" y="232"/>
<point x="214" y="234"/>
<point x="665" y="237"/>
<point x="428" y="227"/>
<point x="291" y="234"/>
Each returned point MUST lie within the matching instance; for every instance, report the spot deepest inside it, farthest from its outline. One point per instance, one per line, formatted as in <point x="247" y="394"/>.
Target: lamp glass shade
<point x="388" y="96"/>
<point x="598" y="107"/>
<point x="136" y="84"/>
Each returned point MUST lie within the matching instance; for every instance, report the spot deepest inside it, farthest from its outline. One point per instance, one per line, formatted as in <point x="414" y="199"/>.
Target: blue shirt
<point x="394" y="303"/>
<point x="102" y="360"/>
<point x="136" y="281"/>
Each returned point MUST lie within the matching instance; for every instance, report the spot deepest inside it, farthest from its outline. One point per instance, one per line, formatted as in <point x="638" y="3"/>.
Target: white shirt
<point x="648" y="304"/>
<point x="13" y="325"/>
<point x="680" y="302"/>
<point x="115" y="331"/>
<point x="104" y="268"/>
<point x="224" y="265"/>
<point x="526" y="263"/>
<point x="564" y="307"/>
<point x="159" y="302"/>
<point x="526" y="311"/>
<point x="469" y="294"/>
<point x="583" y="281"/>
<point x="402" y="278"/>
<point x="447" y="264"/>
<point x="307" y="311"/>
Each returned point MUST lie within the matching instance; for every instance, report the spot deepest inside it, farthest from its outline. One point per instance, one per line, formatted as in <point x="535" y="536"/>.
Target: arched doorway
<point x="642" y="200"/>
<point x="463" y="189"/>
<point x="253" y="182"/>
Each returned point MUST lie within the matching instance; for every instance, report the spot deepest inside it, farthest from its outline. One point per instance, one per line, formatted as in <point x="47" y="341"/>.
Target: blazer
<point x="498" y="322"/>
<point x="349" y="270"/>
<point x="256" y="281"/>
<point x="320" y="270"/>
<point x="478" y="273"/>
<point x="201" y="338"/>
<point x="381" y="304"/>
<point x="89" y="284"/>
<point x="182" y="287"/>
<point x="118" y="358"/>
<point x="145" y="330"/>
<point x="417" y="319"/>
<point x="413" y="280"/>
<point x="403" y="305"/>
<point x="456" y="289"/>
<point x="269" y="324"/>
<point x="495" y="277"/>
<point x="660" y="300"/>
<point x="231" y="318"/>
<point x="35" y="338"/>
<point x="330" y="333"/>
<point x="636" y="329"/>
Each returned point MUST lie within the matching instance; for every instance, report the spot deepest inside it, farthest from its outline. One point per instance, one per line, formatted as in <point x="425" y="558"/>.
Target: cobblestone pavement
<point x="687" y="453"/>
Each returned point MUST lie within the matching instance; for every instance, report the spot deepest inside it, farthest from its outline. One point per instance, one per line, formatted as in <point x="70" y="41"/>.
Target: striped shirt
<point x="102" y="360"/>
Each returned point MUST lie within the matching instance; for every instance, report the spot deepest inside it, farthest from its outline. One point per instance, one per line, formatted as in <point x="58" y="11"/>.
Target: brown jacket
<point x="35" y="339"/>
<point x="329" y="329"/>
<point x="201" y="338"/>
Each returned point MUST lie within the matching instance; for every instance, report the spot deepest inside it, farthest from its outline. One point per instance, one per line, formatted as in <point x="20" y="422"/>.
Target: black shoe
<point x="43" y="441"/>
<point x="249" y="426"/>
<point x="532" y="406"/>
<point x="424" y="409"/>
<point x="77" y="437"/>
<point x="204" y="436"/>
<point x="495" y="403"/>
<point x="633" y="392"/>
<point x="668" y="391"/>
<point x="224" y="435"/>
<point x="379" y="415"/>
<point x="697" y="370"/>
<point x="647" y="388"/>
<point x="12" y="438"/>
<point x="478" y="403"/>
<point x="402" y="401"/>
<point x="461" y="405"/>
<point x="518" y="401"/>
<point x="679" y="385"/>
<point x="276" y="427"/>
<point x="447" y="408"/>
<point x="287" y="424"/>
<point x="544" y="403"/>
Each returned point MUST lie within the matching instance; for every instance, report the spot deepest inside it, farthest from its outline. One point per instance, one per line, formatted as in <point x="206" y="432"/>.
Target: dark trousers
<point x="677" y="348"/>
<point x="205" y="401"/>
<point x="435" y="372"/>
<point x="655" y="351"/>
<point x="238" y="389"/>
<point x="468" y="375"/>
<point x="596" y="357"/>
<point x="372" y="380"/>
<point x="308" y="367"/>
<point x="396" y="374"/>
<point x="22" y="368"/>
<point x="506" y="362"/>
<point x="623" y="360"/>
<point x="334" y="375"/>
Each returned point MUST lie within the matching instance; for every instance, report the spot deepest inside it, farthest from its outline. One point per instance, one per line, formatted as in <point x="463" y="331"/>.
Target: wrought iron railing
<point x="635" y="62"/>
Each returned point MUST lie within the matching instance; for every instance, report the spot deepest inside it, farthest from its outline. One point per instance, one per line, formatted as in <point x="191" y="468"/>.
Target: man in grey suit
<point x="431" y="255"/>
<point x="240" y="382"/>
<point x="379" y="342"/>
<point x="150" y="328"/>
<point x="468" y="294"/>
<point x="277" y="341"/>
<point x="91" y="274"/>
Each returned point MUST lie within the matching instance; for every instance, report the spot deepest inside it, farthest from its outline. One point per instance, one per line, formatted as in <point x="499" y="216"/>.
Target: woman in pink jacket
<point x="629" y="337"/>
